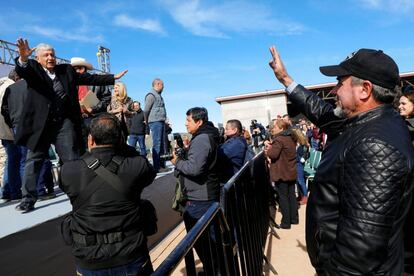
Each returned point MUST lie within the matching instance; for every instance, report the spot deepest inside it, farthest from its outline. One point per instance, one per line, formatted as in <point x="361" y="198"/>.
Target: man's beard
<point x="338" y="111"/>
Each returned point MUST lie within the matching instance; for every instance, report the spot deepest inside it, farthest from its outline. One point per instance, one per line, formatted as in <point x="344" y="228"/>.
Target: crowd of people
<point x="356" y="208"/>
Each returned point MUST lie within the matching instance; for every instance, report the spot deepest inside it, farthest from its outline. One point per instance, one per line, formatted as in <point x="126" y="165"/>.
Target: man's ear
<point x="91" y="142"/>
<point x="366" y="91"/>
<point x="199" y="123"/>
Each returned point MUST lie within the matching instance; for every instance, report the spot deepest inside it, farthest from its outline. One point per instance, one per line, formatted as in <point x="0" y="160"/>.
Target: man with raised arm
<point x="362" y="188"/>
<point x="51" y="113"/>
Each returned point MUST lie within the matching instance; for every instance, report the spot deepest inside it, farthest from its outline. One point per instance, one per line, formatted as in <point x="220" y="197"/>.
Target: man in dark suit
<point x="51" y="114"/>
<point x="12" y="107"/>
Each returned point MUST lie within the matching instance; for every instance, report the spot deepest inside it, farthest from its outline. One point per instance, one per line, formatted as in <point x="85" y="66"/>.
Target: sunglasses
<point x="407" y="87"/>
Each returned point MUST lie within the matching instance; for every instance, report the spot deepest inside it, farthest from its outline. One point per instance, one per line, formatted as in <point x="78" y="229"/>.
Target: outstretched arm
<point x="279" y="68"/>
<point x="120" y="75"/>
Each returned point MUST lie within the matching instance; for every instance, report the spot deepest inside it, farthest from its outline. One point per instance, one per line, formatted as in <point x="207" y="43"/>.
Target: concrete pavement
<point x="286" y="251"/>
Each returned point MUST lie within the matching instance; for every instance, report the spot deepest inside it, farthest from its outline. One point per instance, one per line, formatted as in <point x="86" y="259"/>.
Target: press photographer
<point x="199" y="174"/>
<point x="258" y="133"/>
<point x="109" y="223"/>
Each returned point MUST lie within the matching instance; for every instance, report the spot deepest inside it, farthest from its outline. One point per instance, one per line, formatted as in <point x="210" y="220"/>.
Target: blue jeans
<point x="12" y="178"/>
<point x="157" y="132"/>
<point x="301" y="179"/>
<point x="141" y="266"/>
<point x="132" y="141"/>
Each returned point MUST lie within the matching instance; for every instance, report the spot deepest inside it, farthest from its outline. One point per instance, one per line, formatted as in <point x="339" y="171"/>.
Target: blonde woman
<point x="302" y="151"/>
<point x="282" y="153"/>
<point x="121" y="104"/>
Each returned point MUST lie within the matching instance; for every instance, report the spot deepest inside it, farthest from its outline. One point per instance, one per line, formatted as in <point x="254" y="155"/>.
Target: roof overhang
<point x="326" y="87"/>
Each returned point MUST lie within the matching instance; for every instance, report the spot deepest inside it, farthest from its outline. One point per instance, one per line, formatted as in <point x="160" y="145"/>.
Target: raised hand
<point x="24" y="49"/>
<point x="279" y="68"/>
<point x="120" y="75"/>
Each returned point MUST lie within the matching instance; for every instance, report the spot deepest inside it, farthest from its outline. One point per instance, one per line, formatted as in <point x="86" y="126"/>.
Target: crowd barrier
<point x="240" y="225"/>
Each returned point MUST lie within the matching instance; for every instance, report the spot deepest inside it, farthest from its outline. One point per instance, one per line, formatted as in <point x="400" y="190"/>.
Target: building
<point x="266" y="105"/>
<point x="262" y="106"/>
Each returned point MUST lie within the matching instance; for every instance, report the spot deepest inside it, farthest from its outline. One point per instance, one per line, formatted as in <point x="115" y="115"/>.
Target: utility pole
<point x="103" y="59"/>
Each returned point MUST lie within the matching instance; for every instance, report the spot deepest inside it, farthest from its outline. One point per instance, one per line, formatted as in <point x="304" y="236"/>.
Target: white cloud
<point x="59" y="34"/>
<point x="396" y="6"/>
<point x="150" y="25"/>
<point x="36" y="25"/>
<point x="371" y="3"/>
<point x="231" y="16"/>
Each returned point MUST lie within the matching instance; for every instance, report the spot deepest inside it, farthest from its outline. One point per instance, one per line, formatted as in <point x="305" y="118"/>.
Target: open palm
<point x="24" y="49"/>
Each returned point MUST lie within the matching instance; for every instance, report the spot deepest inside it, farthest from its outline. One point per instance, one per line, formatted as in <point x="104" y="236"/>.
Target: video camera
<point x="179" y="149"/>
<point x="258" y="133"/>
<point x="256" y="129"/>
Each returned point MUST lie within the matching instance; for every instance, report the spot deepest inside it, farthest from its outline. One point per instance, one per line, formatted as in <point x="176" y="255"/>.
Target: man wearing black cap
<point x="362" y="188"/>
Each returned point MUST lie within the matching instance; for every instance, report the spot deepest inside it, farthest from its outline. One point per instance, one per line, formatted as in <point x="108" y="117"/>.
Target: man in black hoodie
<point x="198" y="173"/>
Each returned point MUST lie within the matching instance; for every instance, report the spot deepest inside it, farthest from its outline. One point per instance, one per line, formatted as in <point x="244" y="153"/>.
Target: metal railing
<point x="8" y="52"/>
<point x="213" y="218"/>
<point x="240" y="225"/>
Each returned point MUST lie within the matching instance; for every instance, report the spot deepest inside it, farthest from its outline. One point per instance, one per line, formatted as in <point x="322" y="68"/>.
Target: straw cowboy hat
<point x="78" y="61"/>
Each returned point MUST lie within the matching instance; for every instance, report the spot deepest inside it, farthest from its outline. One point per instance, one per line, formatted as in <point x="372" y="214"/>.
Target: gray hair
<point x="380" y="94"/>
<point x="41" y="47"/>
<point x="155" y="81"/>
<point x="13" y="75"/>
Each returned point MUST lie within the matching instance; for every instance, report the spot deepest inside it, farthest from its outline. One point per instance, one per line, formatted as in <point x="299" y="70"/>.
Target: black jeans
<point x="63" y="136"/>
<point x="194" y="210"/>
<point x="287" y="201"/>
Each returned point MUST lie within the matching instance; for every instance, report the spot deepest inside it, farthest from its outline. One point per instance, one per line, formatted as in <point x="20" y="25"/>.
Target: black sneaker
<point x="25" y="207"/>
<point x="284" y="226"/>
<point x="46" y="196"/>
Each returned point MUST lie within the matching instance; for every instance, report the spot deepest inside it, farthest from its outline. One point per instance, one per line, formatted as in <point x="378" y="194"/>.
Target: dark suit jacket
<point x="36" y="109"/>
<point x="14" y="101"/>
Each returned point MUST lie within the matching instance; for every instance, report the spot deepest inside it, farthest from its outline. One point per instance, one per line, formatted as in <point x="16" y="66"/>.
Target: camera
<point x="256" y="129"/>
<point x="179" y="149"/>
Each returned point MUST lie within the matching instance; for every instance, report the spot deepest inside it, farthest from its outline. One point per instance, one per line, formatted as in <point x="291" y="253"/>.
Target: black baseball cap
<point x="367" y="64"/>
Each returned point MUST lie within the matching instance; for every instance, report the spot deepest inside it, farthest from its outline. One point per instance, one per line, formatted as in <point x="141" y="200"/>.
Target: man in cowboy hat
<point x="80" y="65"/>
<point x="103" y="93"/>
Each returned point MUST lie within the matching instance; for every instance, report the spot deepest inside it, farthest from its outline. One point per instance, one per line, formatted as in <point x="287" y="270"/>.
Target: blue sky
<point x="203" y="49"/>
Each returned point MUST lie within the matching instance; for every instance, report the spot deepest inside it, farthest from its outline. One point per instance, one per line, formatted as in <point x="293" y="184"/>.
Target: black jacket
<point x="103" y="93"/>
<point x="409" y="222"/>
<point x="361" y="191"/>
<point x="108" y="211"/>
<point x="36" y="109"/>
<point x="14" y="102"/>
<point x="137" y="125"/>
<point x="200" y="171"/>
